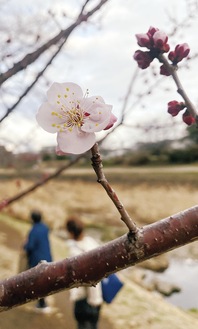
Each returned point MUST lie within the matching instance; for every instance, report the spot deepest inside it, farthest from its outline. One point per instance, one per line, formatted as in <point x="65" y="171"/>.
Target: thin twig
<point x="98" y="167"/>
<point x="29" y="88"/>
<point x="63" y="34"/>
<point x="173" y="71"/>
<point x="6" y="202"/>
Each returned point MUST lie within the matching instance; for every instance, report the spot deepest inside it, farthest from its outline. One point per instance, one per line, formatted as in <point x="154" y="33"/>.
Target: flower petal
<point x="75" y="142"/>
<point x="74" y="117"/>
<point x="45" y="118"/>
<point x="93" y="100"/>
<point x="64" y="92"/>
<point x="98" y="119"/>
<point x="113" y="119"/>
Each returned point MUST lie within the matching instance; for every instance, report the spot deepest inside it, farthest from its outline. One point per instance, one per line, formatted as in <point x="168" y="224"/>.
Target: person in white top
<point x="87" y="300"/>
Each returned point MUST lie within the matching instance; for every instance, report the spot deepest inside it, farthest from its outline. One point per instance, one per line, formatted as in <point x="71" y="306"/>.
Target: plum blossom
<point x="74" y="117"/>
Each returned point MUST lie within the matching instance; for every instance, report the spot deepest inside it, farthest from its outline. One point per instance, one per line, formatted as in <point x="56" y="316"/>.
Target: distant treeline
<point x="158" y="157"/>
<point x="140" y="157"/>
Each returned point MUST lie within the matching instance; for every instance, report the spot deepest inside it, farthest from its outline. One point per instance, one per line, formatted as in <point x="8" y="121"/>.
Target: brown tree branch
<point x="98" y="167"/>
<point x="64" y="34"/>
<point x="89" y="268"/>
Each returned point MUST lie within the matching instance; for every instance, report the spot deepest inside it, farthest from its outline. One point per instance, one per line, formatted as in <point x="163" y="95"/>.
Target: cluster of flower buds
<point x="157" y="43"/>
<point x="174" y="107"/>
<point x="154" y="40"/>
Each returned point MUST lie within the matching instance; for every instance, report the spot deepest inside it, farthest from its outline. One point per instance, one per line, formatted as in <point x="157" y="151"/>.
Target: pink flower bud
<point x="172" y="56"/>
<point x="180" y="52"/>
<point x="174" y="107"/>
<point x="166" y="48"/>
<point x="188" y="118"/>
<point x="3" y="204"/>
<point x="152" y="31"/>
<point x="143" y="58"/>
<point x="143" y="40"/>
<point x="164" y="70"/>
<point x="112" y="120"/>
<point x="160" y="41"/>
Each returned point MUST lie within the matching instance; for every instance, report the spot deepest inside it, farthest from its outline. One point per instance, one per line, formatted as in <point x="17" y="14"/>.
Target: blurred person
<point x="38" y="248"/>
<point x="87" y="300"/>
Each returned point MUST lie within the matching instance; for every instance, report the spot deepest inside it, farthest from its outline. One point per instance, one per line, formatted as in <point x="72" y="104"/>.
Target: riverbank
<point x="133" y="308"/>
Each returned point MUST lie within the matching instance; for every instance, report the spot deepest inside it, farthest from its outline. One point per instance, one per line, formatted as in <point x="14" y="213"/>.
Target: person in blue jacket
<point x="38" y="246"/>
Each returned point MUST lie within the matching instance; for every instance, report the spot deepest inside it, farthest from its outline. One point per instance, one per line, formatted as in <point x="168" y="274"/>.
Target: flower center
<point x="70" y="118"/>
<point x="71" y="115"/>
<point x="74" y="117"/>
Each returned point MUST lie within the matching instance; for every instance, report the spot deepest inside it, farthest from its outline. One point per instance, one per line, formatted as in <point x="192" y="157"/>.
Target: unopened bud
<point x="164" y="70"/>
<point x="174" y="107"/>
<point x="160" y="41"/>
<point x="143" y="58"/>
<point x="188" y="118"/>
<point x="180" y="52"/>
<point x="143" y="40"/>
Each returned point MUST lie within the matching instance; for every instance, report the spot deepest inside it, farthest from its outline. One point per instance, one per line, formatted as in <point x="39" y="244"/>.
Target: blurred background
<point x="149" y="157"/>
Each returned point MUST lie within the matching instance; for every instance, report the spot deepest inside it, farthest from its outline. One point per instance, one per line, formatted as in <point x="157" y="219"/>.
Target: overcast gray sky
<point x="99" y="57"/>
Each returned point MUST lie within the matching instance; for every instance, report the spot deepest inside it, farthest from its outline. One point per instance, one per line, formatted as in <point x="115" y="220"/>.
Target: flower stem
<point x="172" y="69"/>
<point x="98" y="168"/>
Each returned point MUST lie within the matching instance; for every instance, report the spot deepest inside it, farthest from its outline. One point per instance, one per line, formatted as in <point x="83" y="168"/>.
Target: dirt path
<point x="25" y="316"/>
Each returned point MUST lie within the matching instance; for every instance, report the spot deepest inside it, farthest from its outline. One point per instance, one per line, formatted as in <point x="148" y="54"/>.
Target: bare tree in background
<point x="33" y="42"/>
<point x="30" y="47"/>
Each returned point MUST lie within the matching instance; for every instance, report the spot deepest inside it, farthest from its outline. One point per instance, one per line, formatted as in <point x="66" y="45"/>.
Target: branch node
<point x="132" y="235"/>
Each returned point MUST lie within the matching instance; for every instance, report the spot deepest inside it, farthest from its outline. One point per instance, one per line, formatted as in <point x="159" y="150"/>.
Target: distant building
<point x="48" y="153"/>
<point x="6" y="158"/>
<point x="27" y="159"/>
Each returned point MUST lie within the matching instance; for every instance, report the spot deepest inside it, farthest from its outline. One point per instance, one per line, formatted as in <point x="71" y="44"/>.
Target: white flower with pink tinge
<point x="74" y="117"/>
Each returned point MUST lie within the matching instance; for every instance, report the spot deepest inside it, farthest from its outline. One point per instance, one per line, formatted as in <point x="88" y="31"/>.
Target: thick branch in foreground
<point x="89" y="268"/>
